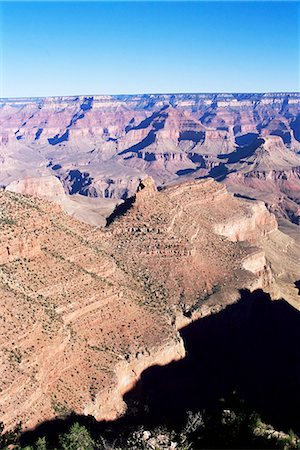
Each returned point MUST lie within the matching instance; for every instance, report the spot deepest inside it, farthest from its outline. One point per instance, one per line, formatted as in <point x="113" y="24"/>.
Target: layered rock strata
<point x="101" y="146"/>
<point x="86" y="310"/>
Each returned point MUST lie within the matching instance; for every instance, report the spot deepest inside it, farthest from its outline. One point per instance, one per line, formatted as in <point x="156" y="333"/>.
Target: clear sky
<point x="57" y="48"/>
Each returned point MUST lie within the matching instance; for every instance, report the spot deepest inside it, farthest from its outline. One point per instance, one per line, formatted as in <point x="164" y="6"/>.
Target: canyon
<point x="85" y="310"/>
<point x="100" y="147"/>
<point x="125" y="219"/>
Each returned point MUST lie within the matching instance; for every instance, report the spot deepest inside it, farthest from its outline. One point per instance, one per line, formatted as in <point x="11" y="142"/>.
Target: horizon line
<point x="152" y="93"/>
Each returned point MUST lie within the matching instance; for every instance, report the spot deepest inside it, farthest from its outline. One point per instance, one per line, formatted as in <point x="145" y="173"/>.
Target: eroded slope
<point x="85" y="310"/>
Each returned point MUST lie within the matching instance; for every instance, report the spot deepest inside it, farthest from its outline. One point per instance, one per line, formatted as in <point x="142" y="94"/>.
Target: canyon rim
<point x="149" y="225"/>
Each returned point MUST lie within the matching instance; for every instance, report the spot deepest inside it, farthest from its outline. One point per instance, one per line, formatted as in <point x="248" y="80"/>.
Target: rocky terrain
<point x="86" y="309"/>
<point x="101" y="146"/>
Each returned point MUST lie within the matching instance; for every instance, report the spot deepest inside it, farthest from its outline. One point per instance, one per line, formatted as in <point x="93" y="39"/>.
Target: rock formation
<point x="85" y="310"/>
<point x="89" y="210"/>
<point x="102" y="146"/>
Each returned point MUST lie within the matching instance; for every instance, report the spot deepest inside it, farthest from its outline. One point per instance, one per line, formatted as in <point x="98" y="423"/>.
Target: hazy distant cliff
<point x="101" y="146"/>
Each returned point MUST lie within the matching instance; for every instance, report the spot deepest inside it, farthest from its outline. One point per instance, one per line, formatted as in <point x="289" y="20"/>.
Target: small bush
<point x="78" y="438"/>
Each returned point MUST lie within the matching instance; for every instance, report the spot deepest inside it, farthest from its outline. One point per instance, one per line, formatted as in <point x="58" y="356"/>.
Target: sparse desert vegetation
<point x="86" y="310"/>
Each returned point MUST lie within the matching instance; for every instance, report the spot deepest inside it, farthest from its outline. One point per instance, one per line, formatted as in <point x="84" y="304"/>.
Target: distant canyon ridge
<point x="175" y="181"/>
<point x="89" y="152"/>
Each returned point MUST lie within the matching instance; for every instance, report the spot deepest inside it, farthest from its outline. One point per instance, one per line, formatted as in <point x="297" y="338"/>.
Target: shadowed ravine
<point x="251" y="347"/>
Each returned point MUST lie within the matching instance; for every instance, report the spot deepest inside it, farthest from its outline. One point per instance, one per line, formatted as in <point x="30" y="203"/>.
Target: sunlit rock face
<point x="101" y="146"/>
<point x="89" y="210"/>
<point x="248" y="228"/>
<point x="85" y="310"/>
<point x="48" y="188"/>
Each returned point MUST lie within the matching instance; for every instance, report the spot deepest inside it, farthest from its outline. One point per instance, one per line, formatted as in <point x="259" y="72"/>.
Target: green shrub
<point x="78" y="438"/>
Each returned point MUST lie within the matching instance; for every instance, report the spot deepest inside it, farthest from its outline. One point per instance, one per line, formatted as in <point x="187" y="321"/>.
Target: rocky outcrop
<point x="86" y="310"/>
<point x="48" y="188"/>
<point x="274" y="177"/>
<point x="128" y="374"/>
<point x="114" y="188"/>
<point x="259" y="222"/>
<point x="19" y="248"/>
<point x="91" y="211"/>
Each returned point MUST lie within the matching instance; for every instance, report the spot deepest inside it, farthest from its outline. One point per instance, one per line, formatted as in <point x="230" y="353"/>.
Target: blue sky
<point x="72" y="48"/>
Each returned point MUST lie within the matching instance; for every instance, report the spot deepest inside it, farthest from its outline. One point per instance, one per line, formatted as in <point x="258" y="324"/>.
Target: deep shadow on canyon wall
<point x="251" y="347"/>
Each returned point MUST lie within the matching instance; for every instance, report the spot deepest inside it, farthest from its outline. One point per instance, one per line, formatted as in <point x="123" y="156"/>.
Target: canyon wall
<point x="101" y="146"/>
<point x="85" y="310"/>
